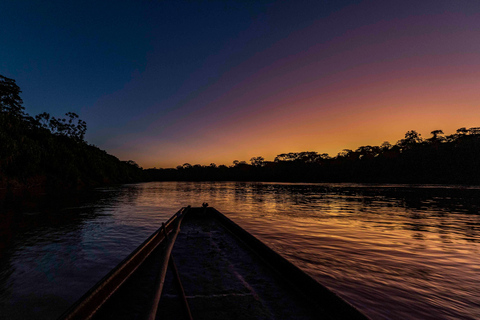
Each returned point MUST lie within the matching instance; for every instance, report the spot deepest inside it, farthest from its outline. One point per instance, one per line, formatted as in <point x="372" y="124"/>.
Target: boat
<point x="202" y="265"/>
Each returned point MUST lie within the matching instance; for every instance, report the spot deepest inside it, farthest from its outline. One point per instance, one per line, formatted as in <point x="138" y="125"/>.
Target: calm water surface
<point x="393" y="251"/>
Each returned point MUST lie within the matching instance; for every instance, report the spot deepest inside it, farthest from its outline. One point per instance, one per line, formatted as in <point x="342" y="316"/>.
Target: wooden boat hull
<point x="224" y="272"/>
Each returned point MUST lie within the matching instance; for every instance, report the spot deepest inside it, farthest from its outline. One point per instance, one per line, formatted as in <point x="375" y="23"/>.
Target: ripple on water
<point x="395" y="252"/>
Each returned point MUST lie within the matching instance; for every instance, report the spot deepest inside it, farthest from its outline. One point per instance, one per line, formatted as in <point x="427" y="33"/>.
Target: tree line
<point x="445" y="159"/>
<point x="47" y="152"/>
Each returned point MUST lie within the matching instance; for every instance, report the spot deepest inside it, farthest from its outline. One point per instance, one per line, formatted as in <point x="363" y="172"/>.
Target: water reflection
<point x="394" y="251"/>
<point x="44" y="246"/>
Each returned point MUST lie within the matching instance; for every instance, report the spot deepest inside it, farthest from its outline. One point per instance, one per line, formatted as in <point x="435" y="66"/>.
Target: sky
<point x="165" y="83"/>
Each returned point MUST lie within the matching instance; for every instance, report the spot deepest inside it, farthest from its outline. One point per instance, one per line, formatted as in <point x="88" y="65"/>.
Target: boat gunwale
<point x="297" y="279"/>
<point x="320" y="297"/>
<point x="89" y="303"/>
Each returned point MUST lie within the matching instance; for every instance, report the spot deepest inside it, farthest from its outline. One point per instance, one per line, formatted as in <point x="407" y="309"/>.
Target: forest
<point x="43" y="152"/>
<point x="439" y="159"/>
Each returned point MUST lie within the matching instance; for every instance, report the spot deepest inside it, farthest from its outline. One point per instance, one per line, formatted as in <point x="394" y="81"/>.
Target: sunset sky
<point x="169" y="82"/>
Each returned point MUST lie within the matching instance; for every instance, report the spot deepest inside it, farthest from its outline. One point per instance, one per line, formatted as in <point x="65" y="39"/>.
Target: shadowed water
<point x="394" y="251"/>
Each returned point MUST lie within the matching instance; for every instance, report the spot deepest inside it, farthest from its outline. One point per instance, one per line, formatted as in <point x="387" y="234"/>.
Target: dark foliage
<point x="452" y="159"/>
<point x="51" y="153"/>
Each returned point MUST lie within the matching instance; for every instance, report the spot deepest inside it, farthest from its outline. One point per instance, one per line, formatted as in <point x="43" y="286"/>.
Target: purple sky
<point x="169" y="82"/>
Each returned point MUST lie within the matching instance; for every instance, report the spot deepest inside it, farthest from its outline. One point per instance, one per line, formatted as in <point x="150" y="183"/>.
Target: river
<point x="393" y="251"/>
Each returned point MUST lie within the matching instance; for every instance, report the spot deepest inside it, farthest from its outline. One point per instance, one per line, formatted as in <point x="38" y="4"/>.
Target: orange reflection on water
<point x="393" y="251"/>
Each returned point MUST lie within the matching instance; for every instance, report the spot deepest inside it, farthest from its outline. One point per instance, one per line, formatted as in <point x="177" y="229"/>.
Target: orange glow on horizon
<point x="344" y="94"/>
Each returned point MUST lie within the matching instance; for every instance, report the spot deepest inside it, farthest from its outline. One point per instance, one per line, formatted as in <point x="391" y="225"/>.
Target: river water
<point x="393" y="251"/>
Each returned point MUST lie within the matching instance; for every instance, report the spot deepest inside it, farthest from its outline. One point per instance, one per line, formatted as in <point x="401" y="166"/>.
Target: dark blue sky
<point x="138" y="71"/>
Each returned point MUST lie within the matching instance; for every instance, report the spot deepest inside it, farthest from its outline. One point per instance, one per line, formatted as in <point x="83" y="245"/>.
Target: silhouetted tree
<point x="345" y="153"/>
<point x="435" y="133"/>
<point x="412" y="138"/>
<point x="474" y="130"/>
<point x="436" y="136"/>
<point x="43" y="120"/>
<point x="257" y="161"/>
<point x="45" y="151"/>
<point x="66" y="127"/>
<point x="308" y="157"/>
<point x="132" y="163"/>
<point x="385" y="146"/>
<point x="10" y="101"/>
